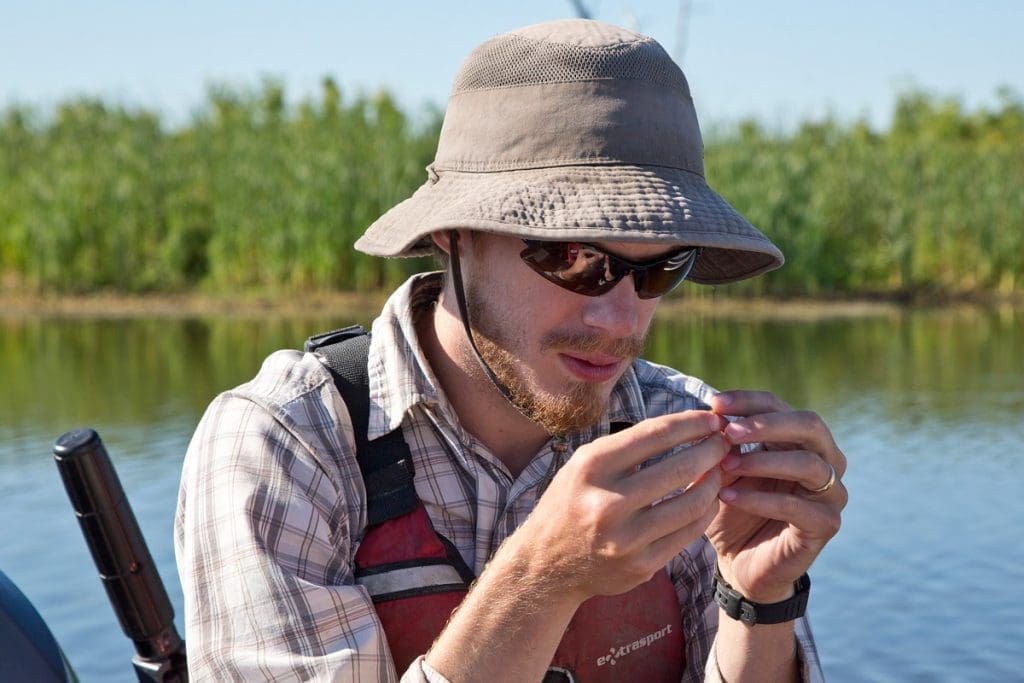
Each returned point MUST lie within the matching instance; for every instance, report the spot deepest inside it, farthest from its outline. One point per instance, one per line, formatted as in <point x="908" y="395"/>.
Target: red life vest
<point x="416" y="578"/>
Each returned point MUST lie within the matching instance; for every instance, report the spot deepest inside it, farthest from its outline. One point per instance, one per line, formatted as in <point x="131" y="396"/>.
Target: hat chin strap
<point x="460" y="298"/>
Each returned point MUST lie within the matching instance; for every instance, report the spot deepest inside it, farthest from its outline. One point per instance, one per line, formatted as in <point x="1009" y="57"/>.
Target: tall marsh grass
<point x="933" y="206"/>
<point x="256" y="194"/>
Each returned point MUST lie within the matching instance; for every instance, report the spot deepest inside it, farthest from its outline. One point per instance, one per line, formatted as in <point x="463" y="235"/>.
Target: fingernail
<point x="724" y="399"/>
<point x="737" y="430"/>
<point x="728" y="495"/>
<point x="730" y="462"/>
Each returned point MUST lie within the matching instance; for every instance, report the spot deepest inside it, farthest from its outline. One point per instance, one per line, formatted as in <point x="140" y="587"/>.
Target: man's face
<point x="559" y="353"/>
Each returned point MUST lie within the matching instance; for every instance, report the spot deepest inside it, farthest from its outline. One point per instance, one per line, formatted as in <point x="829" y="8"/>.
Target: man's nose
<point x="616" y="312"/>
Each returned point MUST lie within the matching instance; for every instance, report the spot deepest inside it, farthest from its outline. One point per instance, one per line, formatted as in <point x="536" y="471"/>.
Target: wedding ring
<point x="828" y="484"/>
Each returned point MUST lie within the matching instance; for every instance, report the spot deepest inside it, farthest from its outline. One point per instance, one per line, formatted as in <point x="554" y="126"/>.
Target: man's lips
<point x="591" y="367"/>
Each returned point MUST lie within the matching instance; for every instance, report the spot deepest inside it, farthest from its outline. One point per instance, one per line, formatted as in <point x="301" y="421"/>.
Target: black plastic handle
<point x="118" y="548"/>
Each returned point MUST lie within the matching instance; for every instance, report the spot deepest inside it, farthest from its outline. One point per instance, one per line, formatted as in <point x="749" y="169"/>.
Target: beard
<point x="574" y="404"/>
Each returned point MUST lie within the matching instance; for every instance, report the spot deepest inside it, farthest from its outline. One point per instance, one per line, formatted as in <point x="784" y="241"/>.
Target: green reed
<point x="256" y="194"/>
<point x="932" y="206"/>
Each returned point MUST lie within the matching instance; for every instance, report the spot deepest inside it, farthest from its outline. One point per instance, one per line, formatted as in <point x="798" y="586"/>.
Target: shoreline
<point x="109" y="305"/>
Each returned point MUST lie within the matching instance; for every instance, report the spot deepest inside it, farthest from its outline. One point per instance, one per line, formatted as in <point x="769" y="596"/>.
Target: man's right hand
<point x="595" y="531"/>
<point x="596" y="528"/>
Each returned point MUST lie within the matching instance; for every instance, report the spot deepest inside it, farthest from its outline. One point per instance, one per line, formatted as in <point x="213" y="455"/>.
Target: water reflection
<point x="911" y="366"/>
<point x="130" y="372"/>
<point x="959" y="365"/>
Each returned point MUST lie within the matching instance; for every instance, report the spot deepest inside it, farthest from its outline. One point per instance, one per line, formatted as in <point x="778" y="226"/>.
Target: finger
<point x="691" y="511"/>
<point x="803" y="467"/>
<point x="745" y="402"/>
<point x="648" y="556"/>
<point x="803" y="428"/>
<point x="729" y="476"/>
<point x="682" y="510"/>
<point x="676" y="471"/>
<point x="815" y="518"/>
<point x="623" y="451"/>
<point x="670" y="545"/>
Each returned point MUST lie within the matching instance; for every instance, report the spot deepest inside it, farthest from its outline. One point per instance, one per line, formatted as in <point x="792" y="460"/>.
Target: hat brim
<point x="614" y="203"/>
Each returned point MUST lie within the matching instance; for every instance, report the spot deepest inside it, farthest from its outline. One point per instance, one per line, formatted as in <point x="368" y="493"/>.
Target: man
<point x="588" y="494"/>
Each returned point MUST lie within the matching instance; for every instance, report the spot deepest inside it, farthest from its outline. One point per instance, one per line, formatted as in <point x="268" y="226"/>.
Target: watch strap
<point x="734" y="604"/>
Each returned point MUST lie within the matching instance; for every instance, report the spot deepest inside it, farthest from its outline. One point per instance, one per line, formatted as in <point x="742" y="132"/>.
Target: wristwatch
<point x="750" y="613"/>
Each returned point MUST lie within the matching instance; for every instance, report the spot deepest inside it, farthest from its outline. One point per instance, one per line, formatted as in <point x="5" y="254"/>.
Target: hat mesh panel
<point x="508" y="61"/>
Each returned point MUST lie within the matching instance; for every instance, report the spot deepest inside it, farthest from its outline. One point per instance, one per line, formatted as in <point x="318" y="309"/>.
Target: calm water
<point x="922" y="584"/>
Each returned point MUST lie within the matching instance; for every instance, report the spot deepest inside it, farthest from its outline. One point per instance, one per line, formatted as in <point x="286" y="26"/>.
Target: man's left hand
<point x="771" y="524"/>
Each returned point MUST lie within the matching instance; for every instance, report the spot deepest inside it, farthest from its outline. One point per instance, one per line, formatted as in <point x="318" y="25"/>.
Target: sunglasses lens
<point x="662" y="279"/>
<point x="573" y="266"/>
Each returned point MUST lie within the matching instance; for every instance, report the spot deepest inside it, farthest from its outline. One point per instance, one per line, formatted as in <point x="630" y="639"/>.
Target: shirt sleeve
<point x="806" y="652"/>
<point x="421" y="672"/>
<point x="263" y="546"/>
<point x="692" y="574"/>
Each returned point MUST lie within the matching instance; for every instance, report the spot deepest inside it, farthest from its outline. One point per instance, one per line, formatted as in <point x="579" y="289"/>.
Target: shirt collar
<point x="400" y="376"/>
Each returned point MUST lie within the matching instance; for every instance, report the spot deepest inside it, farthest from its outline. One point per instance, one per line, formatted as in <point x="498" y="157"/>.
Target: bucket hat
<point x="574" y="130"/>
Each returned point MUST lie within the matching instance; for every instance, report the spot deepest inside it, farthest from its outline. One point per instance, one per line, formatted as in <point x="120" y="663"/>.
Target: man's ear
<point x="442" y="238"/>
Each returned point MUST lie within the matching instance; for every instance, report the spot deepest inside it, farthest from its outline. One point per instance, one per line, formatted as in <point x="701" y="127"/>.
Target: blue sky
<point x="780" y="61"/>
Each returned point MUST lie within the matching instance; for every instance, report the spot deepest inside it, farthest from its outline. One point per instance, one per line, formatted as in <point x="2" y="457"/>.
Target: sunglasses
<point x="590" y="271"/>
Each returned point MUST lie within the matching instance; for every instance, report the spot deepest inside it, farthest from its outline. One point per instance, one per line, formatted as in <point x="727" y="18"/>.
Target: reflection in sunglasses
<point x="585" y="262"/>
<point x="590" y="271"/>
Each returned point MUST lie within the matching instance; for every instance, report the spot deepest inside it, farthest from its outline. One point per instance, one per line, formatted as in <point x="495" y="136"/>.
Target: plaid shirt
<point x="272" y="508"/>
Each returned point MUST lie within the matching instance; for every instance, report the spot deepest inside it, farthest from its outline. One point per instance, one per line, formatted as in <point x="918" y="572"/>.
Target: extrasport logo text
<point x="617" y="653"/>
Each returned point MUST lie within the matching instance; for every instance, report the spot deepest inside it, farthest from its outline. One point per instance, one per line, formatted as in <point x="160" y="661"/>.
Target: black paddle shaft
<point x="125" y="565"/>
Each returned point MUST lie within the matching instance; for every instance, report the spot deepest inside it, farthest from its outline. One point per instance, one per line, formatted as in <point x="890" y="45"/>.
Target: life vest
<point x="416" y="577"/>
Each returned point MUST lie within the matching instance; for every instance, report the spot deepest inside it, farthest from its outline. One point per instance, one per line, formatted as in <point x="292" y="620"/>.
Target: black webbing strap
<point x="616" y="427"/>
<point x="385" y="462"/>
